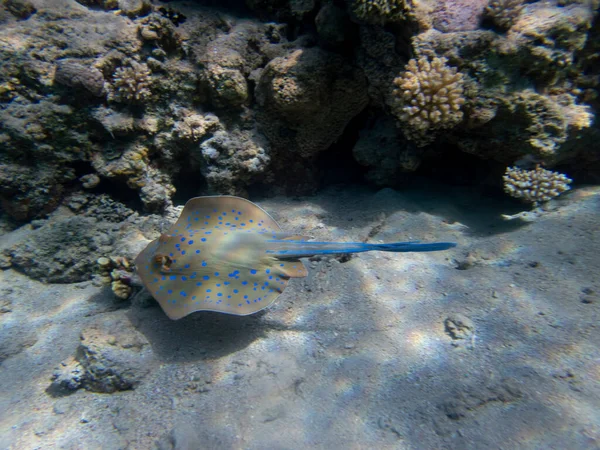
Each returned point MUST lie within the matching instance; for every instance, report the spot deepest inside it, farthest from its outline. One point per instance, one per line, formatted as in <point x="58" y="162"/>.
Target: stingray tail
<point x="303" y="249"/>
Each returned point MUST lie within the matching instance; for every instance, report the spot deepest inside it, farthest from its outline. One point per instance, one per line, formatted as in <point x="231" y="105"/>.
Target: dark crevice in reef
<point x="451" y="166"/>
<point x="119" y="191"/>
<point x="188" y="183"/>
<point x="337" y="164"/>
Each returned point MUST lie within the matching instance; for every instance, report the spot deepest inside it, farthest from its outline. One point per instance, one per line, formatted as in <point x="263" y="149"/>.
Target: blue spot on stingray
<point x="218" y="284"/>
<point x="219" y="295"/>
<point x="198" y="283"/>
<point x="190" y="242"/>
<point x="182" y="239"/>
<point x="251" y="221"/>
<point x="227" y="223"/>
<point x="229" y="296"/>
<point x="243" y="224"/>
<point x="205" y="223"/>
<point x="171" y="255"/>
<point x="239" y="304"/>
<point x="216" y="274"/>
<point x="208" y="217"/>
<point x="268" y="271"/>
<point x="187" y="266"/>
<point x="193" y="297"/>
<point x="239" y="212"/>
<point x="252" y="271"/>
<point x="164" y="278"/>
<point x="203" y="263"/>
<point x="206" y="277"/>
<point x="237" y="218"/>
<point x="196" y="219"/>
<point x="235" y="291"/>
<point x="183" y="294"/>
<point x="208" y="290"/>
<point x="183" y="252"/>
<point x="177" y="245"/>
<point x="248" y="301"/>
<point x="244" y="282"/>
<point x="281" y="265"/>
<point x="271" y="277"/>
<point x="245" y="296"/>
<point x="155" y="280"/>
<point x="208" y="232"/>
<point x="183" y="278"/>
<point x="226" y="283"/>
<point x="173" y="277"/>
<point x="170" y="291"/>
<point x="203" y="239"/>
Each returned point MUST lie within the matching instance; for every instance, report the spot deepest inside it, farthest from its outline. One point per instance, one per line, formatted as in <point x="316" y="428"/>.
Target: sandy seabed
<point x="492" y="344"/>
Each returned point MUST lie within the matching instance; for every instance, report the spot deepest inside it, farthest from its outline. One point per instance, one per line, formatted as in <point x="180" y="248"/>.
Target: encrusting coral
<point x="535" y="186"/>
<point x="503" y="13"/>
<point x="428" y="97"/>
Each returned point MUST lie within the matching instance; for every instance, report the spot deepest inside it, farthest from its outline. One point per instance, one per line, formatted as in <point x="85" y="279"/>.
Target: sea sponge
<point x="428" y="97"/>
<point x="131" y="84"/>
<point x="503" y="13"/>
<point x="535" y="186"/>
<point x="380" y="11"/>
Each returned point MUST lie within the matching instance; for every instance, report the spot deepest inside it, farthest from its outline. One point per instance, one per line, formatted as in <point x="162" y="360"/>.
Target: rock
<point x="80" y="76"/>
<point x="459" y="327"/>
<point x="112" y="356"/>
<point x="64" y="251"/>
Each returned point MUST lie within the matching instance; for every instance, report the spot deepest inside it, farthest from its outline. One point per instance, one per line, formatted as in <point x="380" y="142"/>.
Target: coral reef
<point x="380" y="11"/>
<point x="535" y="186"/>
<point x="204" y="101"/>
<point x="429" y="98"/>
<point x="306" y="98"/>
<point x="232" y="160"/>
<point x="504" y="13"/>
<point x="458" y="15"/>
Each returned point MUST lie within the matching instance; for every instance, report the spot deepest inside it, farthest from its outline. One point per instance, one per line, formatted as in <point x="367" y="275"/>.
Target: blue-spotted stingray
<point x="227" y="254"/>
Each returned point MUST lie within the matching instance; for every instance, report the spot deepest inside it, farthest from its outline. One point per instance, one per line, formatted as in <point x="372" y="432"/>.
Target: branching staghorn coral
<point x="503" y="13"/>
<point x="380" y="11"/>
<point x="131" y="84"/>
<point x="535" y="186"/>
<point x="428" y="97"/>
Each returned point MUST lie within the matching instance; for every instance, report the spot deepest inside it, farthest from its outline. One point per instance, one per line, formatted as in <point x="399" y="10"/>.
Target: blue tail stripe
<point x="299" y="249"/>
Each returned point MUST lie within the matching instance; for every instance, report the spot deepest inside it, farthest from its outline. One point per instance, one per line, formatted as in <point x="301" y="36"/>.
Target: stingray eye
<point x="163" y="261"/>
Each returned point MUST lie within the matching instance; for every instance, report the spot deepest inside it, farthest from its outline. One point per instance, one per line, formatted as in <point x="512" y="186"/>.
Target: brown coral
<point x="428" y="97"/>
<point x="534" y="186"/>
<point x="503" y="13"/>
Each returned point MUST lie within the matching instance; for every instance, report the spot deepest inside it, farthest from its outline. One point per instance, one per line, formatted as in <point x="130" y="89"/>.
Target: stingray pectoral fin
<point x="290" y="268"/>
